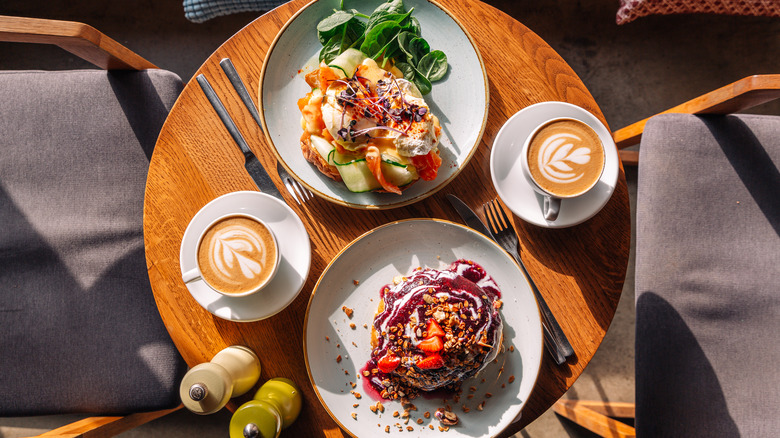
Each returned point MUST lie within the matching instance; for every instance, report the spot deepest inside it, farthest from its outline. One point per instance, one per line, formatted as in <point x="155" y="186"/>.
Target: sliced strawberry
<point x="388" y="363"/>
<point x="431" y="344"/>
<point x="434" y="329"/>
<point x="430" y="362"/>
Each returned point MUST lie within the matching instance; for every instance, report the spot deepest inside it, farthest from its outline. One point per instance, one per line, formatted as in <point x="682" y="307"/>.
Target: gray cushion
<point x="80" y="328"/>
<point x="708" y="277"/>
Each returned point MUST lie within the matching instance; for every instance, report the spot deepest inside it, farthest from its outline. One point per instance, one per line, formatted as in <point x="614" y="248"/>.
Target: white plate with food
<point x="341" y="345"/>
<point x="363" y="137"/>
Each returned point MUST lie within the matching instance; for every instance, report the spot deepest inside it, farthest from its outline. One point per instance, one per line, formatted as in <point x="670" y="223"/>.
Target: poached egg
<point x="374" y="105"/>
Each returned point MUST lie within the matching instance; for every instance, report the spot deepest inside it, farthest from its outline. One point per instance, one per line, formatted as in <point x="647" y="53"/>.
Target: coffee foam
<point x="237" y="255"/>
<point x="565" y="157"/>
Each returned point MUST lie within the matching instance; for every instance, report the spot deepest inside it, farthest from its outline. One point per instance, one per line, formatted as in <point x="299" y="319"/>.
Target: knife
<point x="473" y="221"/>
<point x="251" y="163"/>
<point x="240" y="87"/>
<point x="468" y="215"/>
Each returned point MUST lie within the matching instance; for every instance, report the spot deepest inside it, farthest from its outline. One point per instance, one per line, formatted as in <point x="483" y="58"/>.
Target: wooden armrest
<point x="98" y="427"/>
<point x="80" y="39"/>
<point x="740" y="95"/>
<point x="598" y="416"/>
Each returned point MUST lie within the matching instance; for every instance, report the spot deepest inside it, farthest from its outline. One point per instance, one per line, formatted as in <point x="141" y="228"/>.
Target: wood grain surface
<point x="737" y="96"/>
<point x="580" y="270"/>
<point x="80" y="39"/>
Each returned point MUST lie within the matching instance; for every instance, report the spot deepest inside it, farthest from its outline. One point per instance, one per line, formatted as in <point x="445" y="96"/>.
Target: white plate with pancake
<point x="514" y="188"/>
<point x="459" y="100"/>
<point x="335" y="351"/>
<point x="294" y="249"/>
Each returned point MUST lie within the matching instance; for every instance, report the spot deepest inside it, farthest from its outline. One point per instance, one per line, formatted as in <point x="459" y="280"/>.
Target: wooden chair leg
<point x="598" y="416"/>
<point x="99" y="427"/>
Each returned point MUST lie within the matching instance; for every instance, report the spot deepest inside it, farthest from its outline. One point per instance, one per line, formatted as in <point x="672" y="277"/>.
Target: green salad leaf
<point x="338" y="32"/>
<point x="433" y="65"/>
<point x="390" y="33"/>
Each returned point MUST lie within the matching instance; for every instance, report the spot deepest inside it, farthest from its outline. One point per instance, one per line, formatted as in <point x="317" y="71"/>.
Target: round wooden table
<point x="580" y="270"/>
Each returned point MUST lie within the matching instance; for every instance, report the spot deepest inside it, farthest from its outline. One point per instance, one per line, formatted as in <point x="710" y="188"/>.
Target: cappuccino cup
<point x="563" y="158"/>
<point x="237" y="255"/>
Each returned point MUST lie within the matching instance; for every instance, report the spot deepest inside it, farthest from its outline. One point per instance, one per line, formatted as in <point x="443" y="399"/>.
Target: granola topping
<point x="437" y="328"/>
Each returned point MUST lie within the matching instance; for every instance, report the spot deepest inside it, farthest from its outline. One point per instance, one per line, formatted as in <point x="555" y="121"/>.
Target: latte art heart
<point x="558" y="162"/>
<point x="565" y="158"/>
<point x="238" y="247"/>
<point x="237" y="255"/>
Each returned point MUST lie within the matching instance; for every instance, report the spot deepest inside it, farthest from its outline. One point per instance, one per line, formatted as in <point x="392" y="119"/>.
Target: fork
<point x="506" y="236"/>
<point x="300" y="193"/>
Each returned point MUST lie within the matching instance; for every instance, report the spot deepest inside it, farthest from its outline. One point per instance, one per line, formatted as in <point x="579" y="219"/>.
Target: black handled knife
<point x="471" y="218"/>
<point x="251" y="163"/>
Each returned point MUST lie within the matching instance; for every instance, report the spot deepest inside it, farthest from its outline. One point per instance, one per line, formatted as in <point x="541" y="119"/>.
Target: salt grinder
<point x="207" y="387"/>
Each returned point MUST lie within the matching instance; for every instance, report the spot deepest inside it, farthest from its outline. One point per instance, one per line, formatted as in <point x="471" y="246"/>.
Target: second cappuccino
<point x="565" y="158"/>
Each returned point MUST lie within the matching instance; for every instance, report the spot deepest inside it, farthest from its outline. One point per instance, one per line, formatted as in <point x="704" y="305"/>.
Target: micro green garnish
<point x="390" y="33"/>
<point x="377" y="107"/>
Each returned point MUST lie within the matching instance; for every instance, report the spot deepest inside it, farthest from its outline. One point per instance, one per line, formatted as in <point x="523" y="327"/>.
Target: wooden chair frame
<point x="599" y="417"/>
<point x="91" y="45"/>
<point x="737" y="96"/>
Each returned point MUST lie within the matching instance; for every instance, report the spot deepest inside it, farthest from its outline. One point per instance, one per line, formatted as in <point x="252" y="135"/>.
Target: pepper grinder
<point x="207" y="387"/>
<point x="275" y="406"/>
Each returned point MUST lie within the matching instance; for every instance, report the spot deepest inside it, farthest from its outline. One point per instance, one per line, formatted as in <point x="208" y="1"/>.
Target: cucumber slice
<point x="340" y="159"/>
<point x="339" y="71"/>
<point x="395" y="161"/>
<point x="348" y="61"/>
<point x="357" y="177"/>
<point x="323" y="147"/>
<point x="398" y="174"/>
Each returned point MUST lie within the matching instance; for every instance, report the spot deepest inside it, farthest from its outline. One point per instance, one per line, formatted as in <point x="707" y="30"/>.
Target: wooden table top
<point x="580" y="270"/>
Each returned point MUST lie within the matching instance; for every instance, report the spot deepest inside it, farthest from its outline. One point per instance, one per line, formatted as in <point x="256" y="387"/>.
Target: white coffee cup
<point x="237" y="255"/>
<point x="562" y="158"/>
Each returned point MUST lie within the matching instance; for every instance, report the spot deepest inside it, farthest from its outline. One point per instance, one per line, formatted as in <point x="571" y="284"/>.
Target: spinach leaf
<point x="333" y="48"/>
<point x="391" y="6"/>
<point x="403" y="42"/>
<point x="414" y="26"/>
<point x="422" y="83"/>
<point x="400" y="19"/>
<point x="407" y="70"/>
<point x="342" y="24"/>
<point x="433" y="65"/>
<point x="414" y="47"/>
<point x="331" y="25"/>
<point x="380" y="39"/>
<point x="391" y="33"/>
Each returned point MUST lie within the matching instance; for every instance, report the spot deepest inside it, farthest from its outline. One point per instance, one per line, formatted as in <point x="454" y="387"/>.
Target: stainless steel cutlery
<point x="503" y="233"/>
<point x="253" y="166"/>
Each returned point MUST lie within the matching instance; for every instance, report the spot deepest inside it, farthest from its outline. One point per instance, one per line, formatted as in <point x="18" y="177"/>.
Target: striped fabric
<point x="199" y="11"/>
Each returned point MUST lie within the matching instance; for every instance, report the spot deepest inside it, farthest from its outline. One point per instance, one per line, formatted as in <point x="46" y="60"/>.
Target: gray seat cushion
<point x="80" y="328"/>
<point x="708" y="277"/>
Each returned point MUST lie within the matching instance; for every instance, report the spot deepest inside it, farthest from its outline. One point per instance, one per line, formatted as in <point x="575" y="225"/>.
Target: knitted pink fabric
<point x="630" y="10"/>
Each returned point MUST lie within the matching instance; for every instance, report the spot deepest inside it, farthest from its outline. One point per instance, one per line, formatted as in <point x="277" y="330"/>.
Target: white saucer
<point x="294" y="246"/>
<point x="515" y="189"/>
